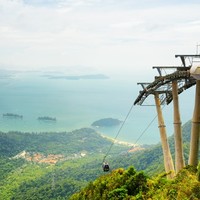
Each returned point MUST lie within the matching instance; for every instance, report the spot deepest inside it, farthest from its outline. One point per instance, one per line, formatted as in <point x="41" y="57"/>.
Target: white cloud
<point x="105" y="35"/>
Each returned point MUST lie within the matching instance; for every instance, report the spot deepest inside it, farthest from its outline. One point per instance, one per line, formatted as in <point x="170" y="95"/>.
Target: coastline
<point x="119" y="141"/>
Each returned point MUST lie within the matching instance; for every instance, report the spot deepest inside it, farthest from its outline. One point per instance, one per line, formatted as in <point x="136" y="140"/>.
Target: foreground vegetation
<point x="130" y="184"/>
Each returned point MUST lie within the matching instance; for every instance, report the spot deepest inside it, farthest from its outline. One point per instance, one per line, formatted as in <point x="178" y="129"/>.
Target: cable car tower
<point x="165" y="88"/>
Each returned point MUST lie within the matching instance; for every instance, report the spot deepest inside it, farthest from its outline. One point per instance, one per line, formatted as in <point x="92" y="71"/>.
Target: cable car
<point x="105" y="167"/>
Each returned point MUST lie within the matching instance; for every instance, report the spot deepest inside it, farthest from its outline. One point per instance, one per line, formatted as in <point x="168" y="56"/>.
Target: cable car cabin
<point x="105" y="167"/>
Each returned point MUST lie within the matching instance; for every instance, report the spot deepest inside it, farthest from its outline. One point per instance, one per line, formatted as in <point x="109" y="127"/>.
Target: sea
<point x="77" y="103"/>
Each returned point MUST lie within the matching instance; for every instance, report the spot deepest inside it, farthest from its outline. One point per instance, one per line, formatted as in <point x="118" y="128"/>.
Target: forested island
<point x="76" y="77"/>
<point x="106" y="122"/>
<point x="12" y="116"/>
<point x="46" y="118"/>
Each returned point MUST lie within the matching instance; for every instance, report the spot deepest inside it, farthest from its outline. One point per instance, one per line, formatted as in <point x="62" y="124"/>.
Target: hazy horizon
<point x="77" y="103"/>
<point x="111" y="37"/>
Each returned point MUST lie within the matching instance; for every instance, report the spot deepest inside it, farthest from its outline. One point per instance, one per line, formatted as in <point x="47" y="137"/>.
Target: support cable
<point x="143" y="132"/>
<point x="118" y="132"/>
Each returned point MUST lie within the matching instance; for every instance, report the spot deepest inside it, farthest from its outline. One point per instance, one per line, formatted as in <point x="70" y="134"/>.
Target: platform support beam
<point x="168" y="162"/>
<point x="195" y="131"/>
<point x="179" y="158"/>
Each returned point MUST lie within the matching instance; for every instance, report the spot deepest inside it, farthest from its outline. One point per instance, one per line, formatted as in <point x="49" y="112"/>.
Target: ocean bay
<point x="78" y="103"/>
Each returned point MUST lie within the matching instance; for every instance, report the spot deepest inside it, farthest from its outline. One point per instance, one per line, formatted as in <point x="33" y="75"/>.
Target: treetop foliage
<point x="131" y="185"/>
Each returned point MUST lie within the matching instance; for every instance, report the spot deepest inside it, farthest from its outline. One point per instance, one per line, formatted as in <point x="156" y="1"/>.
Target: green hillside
<point x="65" y="143"/>
<point x="79" y="157"/>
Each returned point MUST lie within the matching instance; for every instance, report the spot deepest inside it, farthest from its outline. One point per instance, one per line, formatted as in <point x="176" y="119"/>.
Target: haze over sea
<point x="78" y="103"/>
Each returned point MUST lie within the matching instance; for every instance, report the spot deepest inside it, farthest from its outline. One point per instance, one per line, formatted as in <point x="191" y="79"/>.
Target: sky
<point x="124" y="37"/>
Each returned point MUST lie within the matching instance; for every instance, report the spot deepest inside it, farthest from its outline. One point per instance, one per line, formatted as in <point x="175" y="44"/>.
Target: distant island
<point x="106" y="122"/>
<point x="13" y="116"/>
<point x="47" y="118"/>
<point x="90" y="77"/>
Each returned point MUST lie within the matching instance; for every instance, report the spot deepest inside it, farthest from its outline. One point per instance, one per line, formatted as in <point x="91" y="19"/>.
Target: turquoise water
<point x="78" y="103"/>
